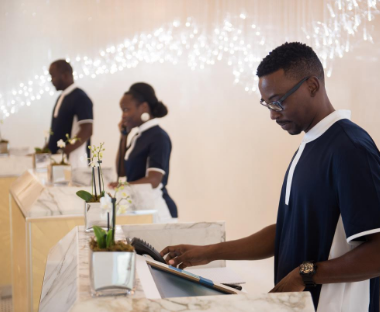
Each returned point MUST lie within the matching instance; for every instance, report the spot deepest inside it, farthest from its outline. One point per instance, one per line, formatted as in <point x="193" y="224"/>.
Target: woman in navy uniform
<point x="147" y="157"/>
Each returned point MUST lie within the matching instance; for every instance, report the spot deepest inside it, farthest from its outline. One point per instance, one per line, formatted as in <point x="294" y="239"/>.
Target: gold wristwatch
<point x="307" y="271"/>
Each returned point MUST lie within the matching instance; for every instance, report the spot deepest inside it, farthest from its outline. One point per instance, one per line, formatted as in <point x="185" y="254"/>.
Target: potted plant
<point x="42" y="156"/>
<point x="112" y="264"/>
<point x="60" y="172"/>
<point x="97" y="204"/>
<point x="4" y="144"/>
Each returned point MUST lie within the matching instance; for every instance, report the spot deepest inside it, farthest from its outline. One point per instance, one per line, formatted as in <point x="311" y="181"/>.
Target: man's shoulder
<point x="353" y="132"/>
<point x="351" y="136"/>
<point x="77" y="93"/>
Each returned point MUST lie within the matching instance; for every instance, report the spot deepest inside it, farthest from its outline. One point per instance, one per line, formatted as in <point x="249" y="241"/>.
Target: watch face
<point x="307" y="268"/>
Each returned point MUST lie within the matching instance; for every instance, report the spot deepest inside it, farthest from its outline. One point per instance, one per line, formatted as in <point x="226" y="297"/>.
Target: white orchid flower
<point x="61" y="144"/>
<point x="106" y="202"/>
<point x="94" y="164"/>
<point x="46" y="134"/>
<point x="122" y="209"/>
<point x="72" y="141"/>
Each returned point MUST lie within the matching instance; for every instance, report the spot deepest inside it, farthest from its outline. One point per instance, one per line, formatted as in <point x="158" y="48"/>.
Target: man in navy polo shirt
<point x="327" y="236"/>
<point x="72" y="114"/>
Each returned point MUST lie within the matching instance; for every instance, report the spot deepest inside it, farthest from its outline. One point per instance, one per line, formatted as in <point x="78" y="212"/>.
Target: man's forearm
<point x="359" y="264"/>
<point x="255" y="247"/>
<point x="83" y="136"/>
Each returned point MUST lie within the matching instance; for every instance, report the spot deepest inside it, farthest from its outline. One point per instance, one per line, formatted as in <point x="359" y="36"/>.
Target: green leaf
<point x="102" y="194"/>
<point x="100" y="236"/>
<point x="37" y="150"/>
<point x="86" y="196"/>
<point x="109" y="238"/>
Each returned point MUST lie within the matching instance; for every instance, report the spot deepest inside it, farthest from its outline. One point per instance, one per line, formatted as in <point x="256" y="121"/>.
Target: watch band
<point x="308" y="275"/>
<point x="308" y="280"/>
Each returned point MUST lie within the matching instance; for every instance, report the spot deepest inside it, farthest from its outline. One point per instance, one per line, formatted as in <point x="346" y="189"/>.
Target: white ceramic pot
<point x="112" y="273"/>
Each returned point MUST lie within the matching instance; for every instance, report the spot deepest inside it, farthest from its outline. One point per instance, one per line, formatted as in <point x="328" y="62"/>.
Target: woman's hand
<point x="186" y="255"/>
<point x="122" y="125"/>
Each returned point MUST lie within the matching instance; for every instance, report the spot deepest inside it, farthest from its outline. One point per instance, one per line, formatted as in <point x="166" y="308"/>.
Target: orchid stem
<point x="108" y="221"/>
<point x="100" y="182"/>
<point x="113" y="219"/>
<point x="93" y="174"/>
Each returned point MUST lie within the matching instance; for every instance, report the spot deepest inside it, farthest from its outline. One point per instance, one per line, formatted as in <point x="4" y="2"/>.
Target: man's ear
<point x="66" y="76"/>
<point x="314" y="85"/>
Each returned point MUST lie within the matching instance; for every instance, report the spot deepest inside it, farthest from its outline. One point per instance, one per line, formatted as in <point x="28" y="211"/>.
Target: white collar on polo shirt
<point x="147" y="125"/>
<point x="69" y="89"/>
<point x="65" y="92"/>
<point x="322" y="126"/>
<point x="313" y="134"/>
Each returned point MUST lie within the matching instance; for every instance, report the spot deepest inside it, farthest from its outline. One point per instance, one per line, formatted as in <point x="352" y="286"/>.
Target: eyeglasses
<point x="277" y="105"/>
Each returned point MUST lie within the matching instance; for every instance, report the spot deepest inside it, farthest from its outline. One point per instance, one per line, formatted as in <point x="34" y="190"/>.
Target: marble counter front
<point x="66" y="284"/>
<point x="41" y="214"/>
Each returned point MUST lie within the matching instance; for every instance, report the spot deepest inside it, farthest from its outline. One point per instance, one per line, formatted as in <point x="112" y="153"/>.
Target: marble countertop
<point x="13" y="166"/>
<point x="37" y="199"/>
<point x="66" y="284"/>
<point x="279" y="302"/>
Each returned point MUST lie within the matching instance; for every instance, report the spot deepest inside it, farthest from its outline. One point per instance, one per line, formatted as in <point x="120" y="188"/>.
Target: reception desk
<point x="10" y="168"/>
<point x="66" y="284"/>
<point x="40" y="216"/>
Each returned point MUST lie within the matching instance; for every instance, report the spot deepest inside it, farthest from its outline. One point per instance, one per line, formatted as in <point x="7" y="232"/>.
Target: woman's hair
<point x="142" y="92"/>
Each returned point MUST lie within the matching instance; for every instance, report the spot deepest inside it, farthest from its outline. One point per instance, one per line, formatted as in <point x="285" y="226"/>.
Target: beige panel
<point x="5" y="245"/>
<point x="19" y="259"/>
<point x="140" y="219"/>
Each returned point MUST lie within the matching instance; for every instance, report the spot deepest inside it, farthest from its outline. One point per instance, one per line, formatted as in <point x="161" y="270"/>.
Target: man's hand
<point x="291" y="282"/>
<point x="186" y="255"/>
<point x="113" y="185"/>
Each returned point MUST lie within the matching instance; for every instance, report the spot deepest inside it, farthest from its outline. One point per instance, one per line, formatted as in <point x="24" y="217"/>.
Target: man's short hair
<point x="296" y="59"/>
<point x="63" y="67"/>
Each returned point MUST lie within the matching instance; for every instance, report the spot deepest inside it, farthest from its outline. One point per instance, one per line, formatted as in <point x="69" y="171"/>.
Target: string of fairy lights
<point x="238" y="41"/>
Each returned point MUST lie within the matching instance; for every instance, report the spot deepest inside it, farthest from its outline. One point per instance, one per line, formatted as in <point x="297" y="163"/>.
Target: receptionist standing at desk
<point x="72" y="114"/>
<point x="147" y="157"/>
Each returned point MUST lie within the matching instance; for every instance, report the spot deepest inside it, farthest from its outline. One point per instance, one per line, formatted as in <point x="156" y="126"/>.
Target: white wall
<point x="228" y="157"/>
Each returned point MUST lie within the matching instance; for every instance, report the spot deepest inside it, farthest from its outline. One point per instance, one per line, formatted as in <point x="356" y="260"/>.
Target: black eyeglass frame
<point x="277" y="105"/>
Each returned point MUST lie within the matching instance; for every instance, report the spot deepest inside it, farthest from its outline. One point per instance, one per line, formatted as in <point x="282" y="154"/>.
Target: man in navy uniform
<point x="327" y="236"/>
<point x="72" y="114"/>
